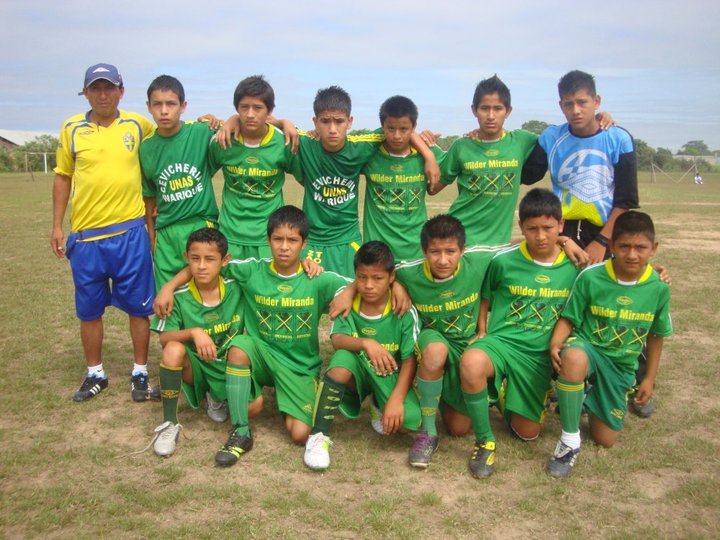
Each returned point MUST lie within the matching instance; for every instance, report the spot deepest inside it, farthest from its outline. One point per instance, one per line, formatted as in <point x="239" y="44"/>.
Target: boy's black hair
<point x="332" y="98"/>
<point x="372" y="253"/>
<point x="634" y="222"/>
<point x="167" y="83"/>
<point x="442" y="227"/>
<point x="540" y="202"/>
<point x="257" y="87"/>
<point x="208" y="235"/>
<point x="493" y="85"/>
<point x="574" y="81"/>
<point x="398" y="107"/>
<point x="291" y="216"/>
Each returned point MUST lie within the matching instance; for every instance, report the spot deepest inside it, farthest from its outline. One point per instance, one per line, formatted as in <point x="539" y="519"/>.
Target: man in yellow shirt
<point x="98" y="171"/>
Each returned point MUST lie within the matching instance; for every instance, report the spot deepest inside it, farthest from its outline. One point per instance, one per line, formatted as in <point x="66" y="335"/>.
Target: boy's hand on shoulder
<point x="163" y="303"/>
<point x="663" y="273"/>
<point x="313" y="134"/>
<point x="311" y="268"/>
<point x="605" y="120"/>
<point x="291" y="135"/>
<point x="382" y="361"/>
<point x="595" y="252"/>
<point x="393" y="415"/>
<point x="575" y="253"/>
<point x="204" y="345"/>
<point x="229" y="131"/>
<point x="429" y="138"/>
<point x="212" y="121"/>
<point x="400" y="299"/>
<point x="341" y="305"/>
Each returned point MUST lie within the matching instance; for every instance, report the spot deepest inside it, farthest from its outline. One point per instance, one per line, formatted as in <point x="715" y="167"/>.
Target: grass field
<point x="63" y="474"/>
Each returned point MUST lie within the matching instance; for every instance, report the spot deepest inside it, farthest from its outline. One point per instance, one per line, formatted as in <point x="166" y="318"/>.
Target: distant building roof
<point x="18" y="138"/>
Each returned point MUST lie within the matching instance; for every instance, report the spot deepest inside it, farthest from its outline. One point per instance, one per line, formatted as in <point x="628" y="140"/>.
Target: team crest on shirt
<point x="285" y="288"/>
<point x="492" y="152"/>
<point x="211" y="317"/>
<point x="368" y="331"/>
<point x="542" y="279"/>
<point x="129" y="141"/>
<point x="252" y="160"/>
<point x="447" y="294"/>
<point x="624" y="300"/>
<point x="396" y="168"/>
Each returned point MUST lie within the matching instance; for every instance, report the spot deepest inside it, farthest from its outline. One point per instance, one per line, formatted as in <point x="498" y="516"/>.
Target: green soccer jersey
<point x="331" y="182"/>
<point x="221" y="322"/>
<point x="175" y="170"/>
<point x="254" y="178"/>
<point x="488" y="176"/>
<point x="449" y="306"/>
<point x="395" y="201"/>
<point x="396" y="335"/>
<point x="526" y="297"/>
<point x="284" y="311"/>
<point x="616" y="317"/>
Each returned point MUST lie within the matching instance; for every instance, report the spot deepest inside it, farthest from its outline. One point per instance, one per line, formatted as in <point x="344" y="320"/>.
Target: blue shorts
<point x="115" y="271"/>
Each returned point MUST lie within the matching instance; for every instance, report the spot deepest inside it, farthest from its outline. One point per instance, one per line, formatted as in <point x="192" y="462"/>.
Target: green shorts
<point x="207" y="377"/>
<point x="338" y="258"/>
<point x="611" y="385"/>
<point x="526" y="375"/>
<point x="170" y="245"/>
<point x="452" y="392"/>
<point x="240" y="252"/>
<point x="295" y="392"/>
<point x="368" y="382"/>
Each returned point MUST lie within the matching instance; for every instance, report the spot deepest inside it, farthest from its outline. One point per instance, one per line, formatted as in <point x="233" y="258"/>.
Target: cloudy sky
<point x="657" y="63"/>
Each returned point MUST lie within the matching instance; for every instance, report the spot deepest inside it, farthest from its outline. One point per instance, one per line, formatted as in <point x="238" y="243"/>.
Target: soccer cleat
<point x="90" y="387"/>
<point x="166" y="439"/>
<point x="643" y="411"/>
<point x="235" y="446"/>
<point x="423" y="449"/>
<point x="317" y="452"/>
<point x="482" y="462"/>
<point x="562" y="461"/>
<point x="376" y="418"/>
<point x="216" y="410"/>
<point x="140" y="387"/>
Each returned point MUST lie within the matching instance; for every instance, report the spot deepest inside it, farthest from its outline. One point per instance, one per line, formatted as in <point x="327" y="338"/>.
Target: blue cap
<point x="102" y="71"/>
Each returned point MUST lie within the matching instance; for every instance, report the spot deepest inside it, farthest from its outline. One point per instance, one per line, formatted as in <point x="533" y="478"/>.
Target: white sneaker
<point x="216" y="410"/>
<point x="166" y="439"/>
<point x="317" y="455"/>
<point x="376" y="419"/>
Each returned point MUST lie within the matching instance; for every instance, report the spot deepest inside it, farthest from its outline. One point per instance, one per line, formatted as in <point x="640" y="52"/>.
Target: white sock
<point x="571" y="439"/>
<point x="96" y="371"/>
<point x="139" y="369"/>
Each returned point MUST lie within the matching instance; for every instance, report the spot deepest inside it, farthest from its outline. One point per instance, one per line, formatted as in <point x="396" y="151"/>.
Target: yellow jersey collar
<point x="274" y="270"/>
<point x="611" y="272"/>
<point x="265" y="139"/>
<point x="525" y="253"/>
<point x="192" y="287"/>
<point x="428" y="273"/>
<point x="358" y="300"/>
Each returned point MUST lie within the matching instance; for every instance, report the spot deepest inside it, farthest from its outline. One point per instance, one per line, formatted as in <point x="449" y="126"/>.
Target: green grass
<point x="63" y="474"/>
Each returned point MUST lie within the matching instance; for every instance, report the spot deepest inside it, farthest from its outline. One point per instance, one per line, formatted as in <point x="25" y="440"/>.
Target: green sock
<point x="570" y="400"/>
<point x="237" y="383"/>
<point x="170" y="383"/>
<point x="428" y="393"/>
<point x="327" y="402"/>
<point x="479" y="411"/>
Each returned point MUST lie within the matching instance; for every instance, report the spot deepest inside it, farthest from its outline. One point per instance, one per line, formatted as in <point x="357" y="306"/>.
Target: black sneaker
<point x="482" y="462"/>
<point x="140" y="387"/>
<point x="562" y="461"/>
<point x="90" y="387"/>
<point x="235" y="446"/>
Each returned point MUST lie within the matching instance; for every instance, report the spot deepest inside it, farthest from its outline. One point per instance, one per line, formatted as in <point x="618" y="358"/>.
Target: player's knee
<point x="255" y="407"/>
<point x="524" y="429"/>
<point x="299" y="433"/>
<point x="602" y="434"/>
<point x="474" y="366"/>
<point x="173" y="354"/>
<point x="238" y="357"/>
<point x="339" y="374"/>
<point x="433" y="358"/>
<point x="457" y="425"/>
<point x="574" y="364"/>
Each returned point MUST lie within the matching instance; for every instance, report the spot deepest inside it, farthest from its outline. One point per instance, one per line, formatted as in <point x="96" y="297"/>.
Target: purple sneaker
<point x="422" y="451"/>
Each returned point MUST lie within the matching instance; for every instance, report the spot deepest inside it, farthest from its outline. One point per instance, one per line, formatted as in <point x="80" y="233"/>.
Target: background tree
<point x="535" y="126"/>
<point x="694" y="148"/>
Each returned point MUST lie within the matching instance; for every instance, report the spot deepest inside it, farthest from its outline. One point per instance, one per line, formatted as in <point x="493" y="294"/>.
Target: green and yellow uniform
<point x="254" y="178"/>
<point x="612" y="320"/>
<point x="222" y="322"/>
<point x="282" y="316"/>
<point x="104" y="167"/>
<point x="330" y="201"/>
<point x="176" y="173"/>
<point x="395" y="201"/>
<point x="397" y="335"/>
<point x="488" y="176"/>
<point x="526" y="298"/>
<point x="448" y="311"/>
